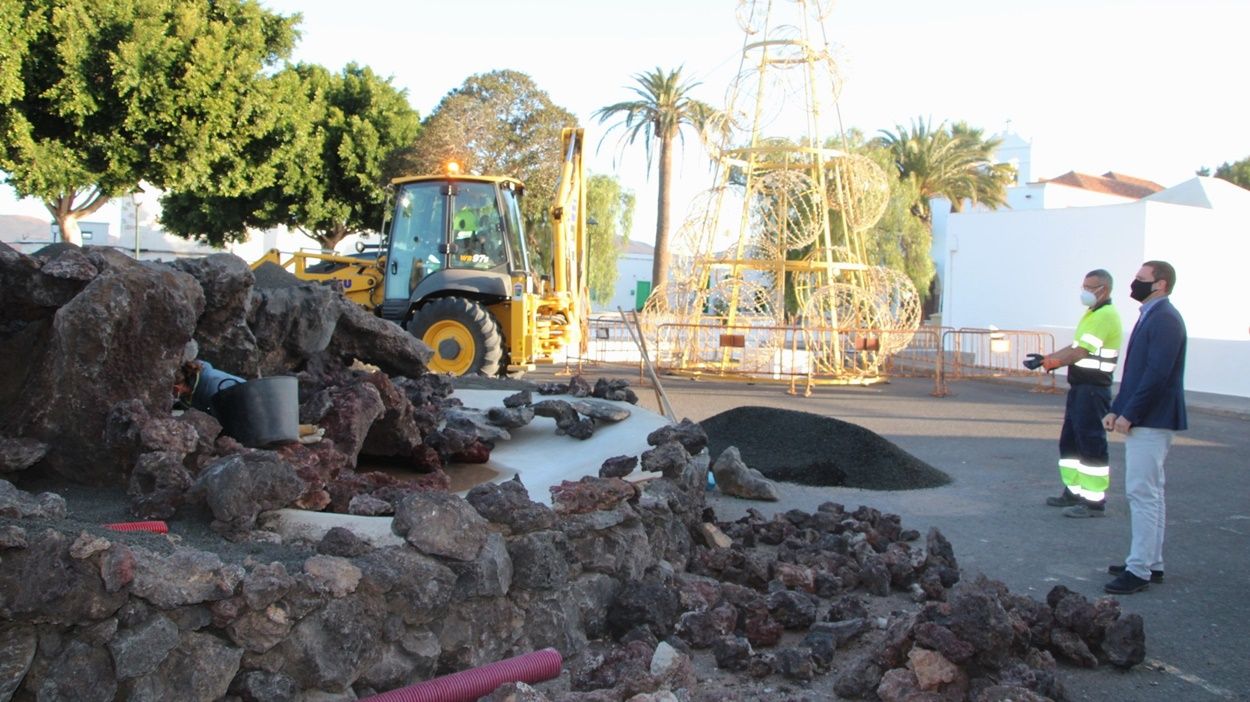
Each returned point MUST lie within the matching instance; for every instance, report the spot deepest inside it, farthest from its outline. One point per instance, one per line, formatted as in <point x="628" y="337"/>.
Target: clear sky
<point x="1149" y="88"/>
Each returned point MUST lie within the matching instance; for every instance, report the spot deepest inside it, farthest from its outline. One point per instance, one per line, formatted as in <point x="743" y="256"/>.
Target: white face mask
<point x="1088" y="298"/>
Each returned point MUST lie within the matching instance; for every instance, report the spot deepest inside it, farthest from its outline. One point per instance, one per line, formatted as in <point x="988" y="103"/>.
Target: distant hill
<point x="19" y="228"/>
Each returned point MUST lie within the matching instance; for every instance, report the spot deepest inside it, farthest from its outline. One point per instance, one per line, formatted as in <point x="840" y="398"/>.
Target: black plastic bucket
<point x="260" y="412"/>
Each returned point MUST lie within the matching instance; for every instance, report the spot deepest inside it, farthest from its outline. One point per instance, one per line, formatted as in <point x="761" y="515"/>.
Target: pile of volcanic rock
<point x="98" y="346"/>
<point x="632" y="582"/>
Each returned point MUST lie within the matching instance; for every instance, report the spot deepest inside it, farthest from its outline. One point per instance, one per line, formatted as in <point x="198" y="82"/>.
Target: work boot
<point x="1067" y="499"/>
<point x="1126" y="584"/>
<point x="1085" y="509"/>
<point x="1156" y="576"/>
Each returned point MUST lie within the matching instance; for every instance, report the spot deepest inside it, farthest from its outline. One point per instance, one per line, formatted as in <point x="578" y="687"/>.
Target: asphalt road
<point x="998" y="443"/>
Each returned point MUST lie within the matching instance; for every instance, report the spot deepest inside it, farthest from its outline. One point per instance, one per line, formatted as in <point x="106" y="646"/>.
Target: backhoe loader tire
<point x="464" y="335"/>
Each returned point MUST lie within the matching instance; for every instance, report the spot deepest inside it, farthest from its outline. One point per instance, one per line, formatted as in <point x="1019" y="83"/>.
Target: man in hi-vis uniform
<point x="1091" y="361"/>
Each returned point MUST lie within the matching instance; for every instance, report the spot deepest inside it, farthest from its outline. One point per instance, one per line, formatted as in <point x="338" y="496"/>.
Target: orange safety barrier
<point x="992" y="353"/>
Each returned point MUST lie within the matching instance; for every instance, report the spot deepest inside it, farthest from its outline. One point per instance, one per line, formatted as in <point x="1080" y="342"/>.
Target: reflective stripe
<point x="1070" y="463"/>
<point x="1094" y="496"/>
<point x="1109" y="353"/>
<point x="1092" y="340"/>
<point x="1094" y="364"/>
<point x="1098" y="471"/>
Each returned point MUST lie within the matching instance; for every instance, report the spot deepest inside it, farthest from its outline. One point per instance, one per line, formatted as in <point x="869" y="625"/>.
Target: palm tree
<point x="662" y="107"/>
<point x="953" y="163"/>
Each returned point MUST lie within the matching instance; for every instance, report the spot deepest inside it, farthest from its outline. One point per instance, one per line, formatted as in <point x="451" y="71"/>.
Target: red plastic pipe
<point x="155" y="527"/>
<point x="469" y="685"/>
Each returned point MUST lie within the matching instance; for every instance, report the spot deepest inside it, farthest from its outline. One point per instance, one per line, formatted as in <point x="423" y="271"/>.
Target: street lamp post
<point x="136" y="199"/>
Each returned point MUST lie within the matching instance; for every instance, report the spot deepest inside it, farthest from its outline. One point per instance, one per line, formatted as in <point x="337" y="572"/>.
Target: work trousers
<point x="1145" y="449"/>
<point x="1083" y="464"/>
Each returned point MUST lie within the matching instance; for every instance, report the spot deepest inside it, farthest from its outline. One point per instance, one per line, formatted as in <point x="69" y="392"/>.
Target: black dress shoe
<point x="1156" y="576"/>
<point x="1125" y="584"/>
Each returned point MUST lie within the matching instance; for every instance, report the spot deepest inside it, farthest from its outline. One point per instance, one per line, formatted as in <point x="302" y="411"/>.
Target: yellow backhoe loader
<point x="455" y="271"/>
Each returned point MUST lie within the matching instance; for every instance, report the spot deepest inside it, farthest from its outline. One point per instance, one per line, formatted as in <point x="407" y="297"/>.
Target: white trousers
<point x="1145" y="449"/>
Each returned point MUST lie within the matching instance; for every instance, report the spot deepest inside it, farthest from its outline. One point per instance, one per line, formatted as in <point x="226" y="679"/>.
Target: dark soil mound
<point x="271" y="276"/>
<point x="808" y="449"/>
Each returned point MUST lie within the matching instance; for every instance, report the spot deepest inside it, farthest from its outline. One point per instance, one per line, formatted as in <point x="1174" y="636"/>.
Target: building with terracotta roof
<point x="1022" y="269"/>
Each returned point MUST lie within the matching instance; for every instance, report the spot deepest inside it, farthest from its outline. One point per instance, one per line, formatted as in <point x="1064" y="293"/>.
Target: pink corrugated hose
<point x="468" y="685"/>
<point x="155" y="527"/>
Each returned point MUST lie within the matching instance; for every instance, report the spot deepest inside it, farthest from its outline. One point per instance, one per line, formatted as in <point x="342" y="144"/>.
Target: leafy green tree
<point x="320" y="169"/>
<point x="951" y="162"/>
<point x="498" y="123"/>
<point x="1237" y="173"/>
<point x="610" y="214"/>
<point x="661" y="108"/>
<point x="97" y="96"/>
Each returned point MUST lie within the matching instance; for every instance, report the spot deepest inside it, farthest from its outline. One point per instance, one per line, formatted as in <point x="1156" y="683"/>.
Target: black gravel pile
<point x="808" y="449"/>
<point x="271" y="276"/>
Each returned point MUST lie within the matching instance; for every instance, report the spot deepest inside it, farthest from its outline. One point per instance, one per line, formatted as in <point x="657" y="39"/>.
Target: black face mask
<point x="1140" y="289"/>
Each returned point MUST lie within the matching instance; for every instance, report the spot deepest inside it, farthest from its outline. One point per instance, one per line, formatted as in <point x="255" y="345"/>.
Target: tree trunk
<point x="66" y="215"/>
<point x="659" y="264"/>
<point x="71" y="233"/>
<point x="330" y="238"/>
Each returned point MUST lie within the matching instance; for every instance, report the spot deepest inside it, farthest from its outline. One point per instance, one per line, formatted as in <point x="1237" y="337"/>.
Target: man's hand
<point x="1050" y="363"/>
<point x="1108" y="421"/>
<point x="1033" y="361"/>
<point x="1122" y="425"/>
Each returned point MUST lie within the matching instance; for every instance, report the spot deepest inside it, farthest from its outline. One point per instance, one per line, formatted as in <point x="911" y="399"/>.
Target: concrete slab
<point x="544" y="459"/>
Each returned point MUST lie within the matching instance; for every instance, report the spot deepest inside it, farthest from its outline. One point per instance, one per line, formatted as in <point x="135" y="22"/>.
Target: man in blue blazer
<point x="1149" y="409"/>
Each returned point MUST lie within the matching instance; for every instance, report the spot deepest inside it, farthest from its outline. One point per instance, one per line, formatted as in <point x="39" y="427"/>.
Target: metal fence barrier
<point x="758" y="350"/>
<point x="992" y="353"/>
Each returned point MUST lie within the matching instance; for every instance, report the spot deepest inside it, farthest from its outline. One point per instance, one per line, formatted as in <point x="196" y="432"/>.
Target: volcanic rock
<point x="222" y="333"/>
<point x="519" y="399"/>
<point x="1125" y="641"/>
<point x="398" y="430"/>
<point x="508" y="504"/>
<point x="441" y="525"/>
<point x="600" y="410"/>
<point x="559" y="410"/>
<point x="81" y="672"/>
<point x="112" y="341"/>
<point x="669" y="458"/>
<point x="239" y="487"/>
<point x="19" y="504"/>
<point x="140" y="650"/>
<point x="539" y="560"/>
<point x="349" y="414"/>
<point x="340" y="541"/>
<point x="618" y="466"/>
<point x="733" y="477"/>
<point x="362" y="335"/>
<point x="617" y="390"/>
<point x="689" y="434"/>
<point x="590" y="494"/>
<point x="475" y="423"/>
<point x="510" y="417"/>
<point x="20" y="454"/>
<point x="184" y="577"/>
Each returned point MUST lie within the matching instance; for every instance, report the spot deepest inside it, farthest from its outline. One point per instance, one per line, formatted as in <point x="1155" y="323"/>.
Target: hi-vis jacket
<point x="1101" y="334"/>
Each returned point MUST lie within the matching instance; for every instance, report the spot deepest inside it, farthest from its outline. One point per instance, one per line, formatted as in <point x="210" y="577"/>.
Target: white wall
<point x="630" y="268"/>
<point x="1209" y="249"/>
<point x="1023" y="270"/>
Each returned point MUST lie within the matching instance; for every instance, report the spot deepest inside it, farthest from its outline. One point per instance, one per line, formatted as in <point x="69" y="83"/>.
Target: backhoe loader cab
<point x="456" y="250"/>
<point x="455" y="270"/>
